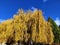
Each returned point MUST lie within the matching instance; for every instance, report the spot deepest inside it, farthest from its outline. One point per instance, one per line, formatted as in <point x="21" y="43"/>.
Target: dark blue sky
<point x="9" y="7"/>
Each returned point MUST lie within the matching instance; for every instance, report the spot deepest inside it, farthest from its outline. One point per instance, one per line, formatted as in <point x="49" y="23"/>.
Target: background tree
<point x="59" y="26"/>
<point x="55" y="30"/>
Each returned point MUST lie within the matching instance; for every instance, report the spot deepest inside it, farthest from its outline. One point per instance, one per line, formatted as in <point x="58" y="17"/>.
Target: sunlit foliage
<point x="27" y="25"/>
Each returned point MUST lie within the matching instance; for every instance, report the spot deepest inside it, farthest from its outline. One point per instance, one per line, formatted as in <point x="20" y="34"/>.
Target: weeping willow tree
<point x="27" y="26"/>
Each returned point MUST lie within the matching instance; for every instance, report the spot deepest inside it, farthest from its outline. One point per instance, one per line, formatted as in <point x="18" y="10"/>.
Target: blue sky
<point x="50" y="8"/>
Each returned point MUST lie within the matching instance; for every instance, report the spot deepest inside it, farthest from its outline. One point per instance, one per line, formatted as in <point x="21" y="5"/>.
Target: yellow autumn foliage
<point x="25" y="25"/>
